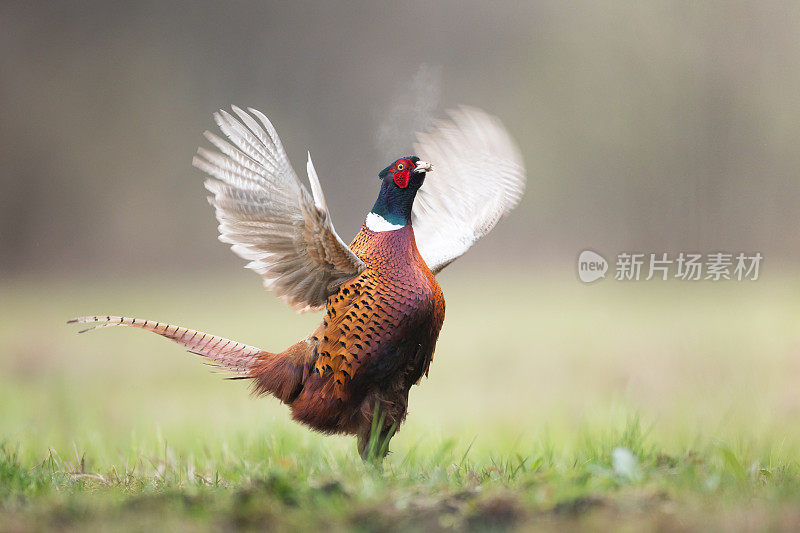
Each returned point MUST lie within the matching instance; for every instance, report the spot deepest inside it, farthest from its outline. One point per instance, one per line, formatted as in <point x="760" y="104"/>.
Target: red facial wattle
<point x="401" y="172"/>
<point x="401" y="178"/>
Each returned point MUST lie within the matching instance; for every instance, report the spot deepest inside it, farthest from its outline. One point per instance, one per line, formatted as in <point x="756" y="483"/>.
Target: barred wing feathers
<point x="269" y="217"/>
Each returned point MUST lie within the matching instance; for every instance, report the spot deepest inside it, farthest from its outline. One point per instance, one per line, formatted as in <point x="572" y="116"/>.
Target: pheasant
<point x="383" y="306"/>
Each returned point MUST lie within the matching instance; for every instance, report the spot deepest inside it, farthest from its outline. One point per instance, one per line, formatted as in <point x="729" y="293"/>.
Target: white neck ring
<point x="378" y="224"/>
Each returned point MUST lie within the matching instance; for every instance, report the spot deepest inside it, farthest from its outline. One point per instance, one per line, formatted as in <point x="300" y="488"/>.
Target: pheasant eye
<point x="401" y="166"/>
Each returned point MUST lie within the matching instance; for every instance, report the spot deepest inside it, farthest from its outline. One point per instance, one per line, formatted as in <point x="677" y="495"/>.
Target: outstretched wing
<point x="479" y="177"/>
<point x="269" y="217"/>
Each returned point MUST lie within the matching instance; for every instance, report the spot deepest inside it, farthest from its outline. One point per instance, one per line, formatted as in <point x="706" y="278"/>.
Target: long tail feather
<point x="232" y="356"/>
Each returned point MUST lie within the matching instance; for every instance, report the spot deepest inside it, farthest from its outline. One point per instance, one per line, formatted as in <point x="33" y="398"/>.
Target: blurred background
<point x="653" y="126"/>
<point x="659" y="126"/>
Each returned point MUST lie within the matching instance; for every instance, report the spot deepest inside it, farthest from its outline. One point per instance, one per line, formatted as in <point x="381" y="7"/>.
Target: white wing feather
<point x="268" y="215"/>
<point x="478" y="178"/>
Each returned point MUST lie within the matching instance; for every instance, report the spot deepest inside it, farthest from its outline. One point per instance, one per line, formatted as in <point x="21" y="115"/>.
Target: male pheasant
<point x="383" y="306"/>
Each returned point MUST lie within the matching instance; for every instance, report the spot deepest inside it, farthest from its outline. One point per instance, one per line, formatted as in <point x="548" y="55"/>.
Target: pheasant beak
<point x="422" y="167"/>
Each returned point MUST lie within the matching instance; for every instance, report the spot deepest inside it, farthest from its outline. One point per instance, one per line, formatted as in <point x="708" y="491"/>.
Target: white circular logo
<point x="591" y="266"/>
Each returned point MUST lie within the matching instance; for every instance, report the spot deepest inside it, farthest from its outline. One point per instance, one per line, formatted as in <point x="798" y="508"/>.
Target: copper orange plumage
<point x="383" y="306"/>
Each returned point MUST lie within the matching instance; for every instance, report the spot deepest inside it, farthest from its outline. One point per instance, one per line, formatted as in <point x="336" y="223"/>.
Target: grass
<point x="550" y="404"/>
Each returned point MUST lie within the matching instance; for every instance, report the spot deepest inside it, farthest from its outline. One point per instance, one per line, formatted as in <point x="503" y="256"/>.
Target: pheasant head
<point x="400" y="182"/>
